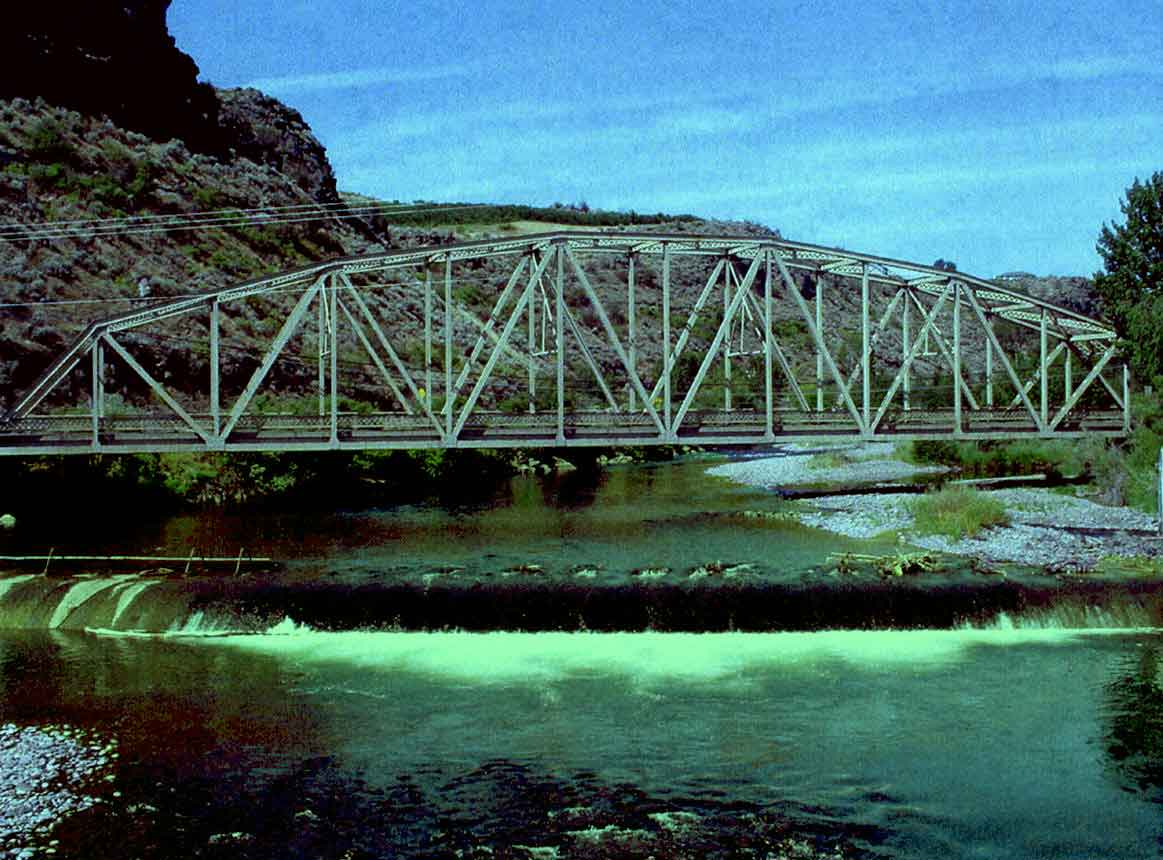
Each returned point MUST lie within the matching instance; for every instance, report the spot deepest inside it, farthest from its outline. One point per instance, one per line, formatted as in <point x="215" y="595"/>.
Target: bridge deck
<point x="43" y="434"/>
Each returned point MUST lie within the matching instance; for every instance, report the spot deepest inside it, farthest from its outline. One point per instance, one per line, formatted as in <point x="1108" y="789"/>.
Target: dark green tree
<point x="1131" y="284"/>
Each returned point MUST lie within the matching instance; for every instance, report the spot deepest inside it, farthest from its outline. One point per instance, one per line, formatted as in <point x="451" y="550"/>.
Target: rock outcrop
<point x="111" y="58"/>
<point x="267" y="132"/>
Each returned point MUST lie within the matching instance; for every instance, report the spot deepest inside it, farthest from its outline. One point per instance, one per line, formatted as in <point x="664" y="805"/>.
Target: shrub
<point x="957" y="512"/>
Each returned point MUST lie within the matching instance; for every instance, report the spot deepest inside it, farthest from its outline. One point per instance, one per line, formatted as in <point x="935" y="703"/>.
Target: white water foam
<point x="1073" y="616"/>
<point x="129" y="592"/>
<point x="79" y="593"/>
<point x="10" y="582"/>
<point x="503" y="657"/>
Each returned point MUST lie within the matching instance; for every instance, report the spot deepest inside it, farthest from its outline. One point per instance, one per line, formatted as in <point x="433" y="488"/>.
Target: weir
<point x="578" y="339"/>
<point x="132" y="604"/>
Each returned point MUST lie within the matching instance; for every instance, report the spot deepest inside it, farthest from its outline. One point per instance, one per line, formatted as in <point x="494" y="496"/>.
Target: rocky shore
<point x="1047" y="528"/>
<point x="47" y="773"/>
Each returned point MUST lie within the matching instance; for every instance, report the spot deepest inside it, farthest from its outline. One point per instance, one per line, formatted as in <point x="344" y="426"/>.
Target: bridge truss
<point x="580" y="338"/>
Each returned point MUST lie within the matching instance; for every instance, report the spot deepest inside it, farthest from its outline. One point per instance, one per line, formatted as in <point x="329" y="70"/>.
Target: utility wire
<point x="220" y="218"/>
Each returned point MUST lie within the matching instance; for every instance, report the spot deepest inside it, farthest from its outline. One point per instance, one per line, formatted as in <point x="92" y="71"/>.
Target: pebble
<point x="44" y="771"/>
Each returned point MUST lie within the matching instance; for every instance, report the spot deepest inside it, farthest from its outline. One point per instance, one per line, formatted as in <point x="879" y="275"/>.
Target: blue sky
<point x="998" y="135"/>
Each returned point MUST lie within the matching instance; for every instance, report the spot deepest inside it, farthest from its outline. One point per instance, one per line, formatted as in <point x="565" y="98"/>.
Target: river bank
<point x="1051" y="528"/>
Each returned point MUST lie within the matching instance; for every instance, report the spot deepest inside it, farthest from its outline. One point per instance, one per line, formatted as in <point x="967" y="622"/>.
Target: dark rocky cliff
<point x="115" y="59"/>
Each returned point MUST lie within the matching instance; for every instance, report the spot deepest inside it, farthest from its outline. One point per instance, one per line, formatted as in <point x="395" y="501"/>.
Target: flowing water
<point x="641" y="663"/>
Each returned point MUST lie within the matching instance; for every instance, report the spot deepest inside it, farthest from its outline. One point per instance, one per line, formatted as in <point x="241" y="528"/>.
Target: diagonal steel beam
<point x="1095" y="372"/>
<point x="490" y="323"/>
<point x="466" y="410"/>
<point x="375" y="357"/>
<point x="272" y="354"/>
<point x="156" y="387"/>
<point x="394" y="357"/>
<point x="821" y="347"/>
<point x="712" y="351"/>
<point x="776" y="352"/>
<point x="684" y="335"/>
<point x="1033" y="380"/>
<point x="914" y="349"/>
<point x="948" y="353"/>
<point x="1005" y="359"/>
<point x="588" y="357"/>
<point x="612" y="334"/>
<point x="880" y="326"/>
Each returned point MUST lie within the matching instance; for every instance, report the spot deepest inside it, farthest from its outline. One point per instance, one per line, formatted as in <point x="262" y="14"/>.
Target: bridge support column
<point x="1044" y="368"/>
<point x="215" y="371"/>
<point x="324" y="339"/>
<point x="906" y="315"/>
<point x="988" y="374"/>
<point x="666" y="356"/>
<point x="97" y="399"/>
<point x="632" y="324"/>
<point x="448" y="394"/>
<point x="428" y="332"/>
<point x="333" y="347"/>
<point x="768" y="347"/>
<point x="532" y="334"/>
<point x="559" y="285"/>
<point x="865" y="348"/>
<point x="727" y="340"/>
<point x="957" y="359"/>
<point x="1126" y="400"/>
<point x="1068" y="380"/>
<point x="819" y="351"/>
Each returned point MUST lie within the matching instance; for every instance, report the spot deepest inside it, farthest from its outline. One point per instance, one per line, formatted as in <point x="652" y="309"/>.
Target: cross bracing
<point x="579" y="338"/>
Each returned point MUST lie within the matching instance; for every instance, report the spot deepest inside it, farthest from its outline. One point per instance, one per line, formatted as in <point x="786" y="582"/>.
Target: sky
<point x="998" y="135"/>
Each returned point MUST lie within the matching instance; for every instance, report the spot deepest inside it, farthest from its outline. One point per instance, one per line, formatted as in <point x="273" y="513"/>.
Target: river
<point x="639" y="662"/>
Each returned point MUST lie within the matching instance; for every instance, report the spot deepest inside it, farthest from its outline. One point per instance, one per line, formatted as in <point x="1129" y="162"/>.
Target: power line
<point x="131" y="225"/>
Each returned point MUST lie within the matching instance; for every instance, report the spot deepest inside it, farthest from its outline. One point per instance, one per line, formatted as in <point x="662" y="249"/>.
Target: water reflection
<point x="1134" y="713"/>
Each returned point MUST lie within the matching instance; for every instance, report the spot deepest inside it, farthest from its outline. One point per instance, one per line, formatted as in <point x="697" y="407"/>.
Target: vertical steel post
<point x="334" y="359"/>
<point x="560" y="284"/>
<point x="97" y="398"/>
<point x="957" y="358"/>
<point x="1068" y="375"/>
<point x="1126" y="399"/>
<point x="448" y="393"/>
<point x="865" y="348"/>
<point x="532" y="315"/>
<point x="215" y="370"/>
<point x="989" y="373"/>
<point x="769" y="393"/>
<point x="428" y="332"/>
<point x="323" y="339"/>
<point x="906" y="344"/>
<point x="632" y="323"/>
<point x="666" y="382"/>
<point x="727" y="340"/>
<point x="1159" y="498"/>
<point x="1045" y="371"/>
<point x="819" y="352"/>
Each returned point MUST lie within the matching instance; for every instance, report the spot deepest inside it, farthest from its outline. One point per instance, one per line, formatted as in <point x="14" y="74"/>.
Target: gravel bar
<point x="1040" y="519"/>
<point x="46" y="774"/>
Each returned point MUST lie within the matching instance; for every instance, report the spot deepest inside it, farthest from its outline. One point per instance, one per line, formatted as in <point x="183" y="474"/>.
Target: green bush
<point x="957" y="512"/>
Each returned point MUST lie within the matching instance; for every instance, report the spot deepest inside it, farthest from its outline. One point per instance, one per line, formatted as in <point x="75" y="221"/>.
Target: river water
<point x="643" y="662"/>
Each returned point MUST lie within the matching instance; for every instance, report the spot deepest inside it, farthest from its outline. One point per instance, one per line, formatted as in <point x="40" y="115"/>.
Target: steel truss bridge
<point x="594" y="338"/>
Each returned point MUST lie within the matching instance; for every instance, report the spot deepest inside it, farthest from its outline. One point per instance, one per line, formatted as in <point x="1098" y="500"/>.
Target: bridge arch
<point x="579" y="338"/>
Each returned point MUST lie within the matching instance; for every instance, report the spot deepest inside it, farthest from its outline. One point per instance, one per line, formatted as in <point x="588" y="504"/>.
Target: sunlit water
<point x="1021" y="740"/>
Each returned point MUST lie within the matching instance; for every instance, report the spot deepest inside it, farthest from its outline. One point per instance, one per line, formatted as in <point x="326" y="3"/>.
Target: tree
<point x="1132" y="284"/>
<point x="945" y="265"/>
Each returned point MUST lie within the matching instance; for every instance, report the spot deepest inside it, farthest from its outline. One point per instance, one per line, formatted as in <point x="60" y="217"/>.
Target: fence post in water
<point x="238" y="564"/>
<point x="48" y="561"/>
